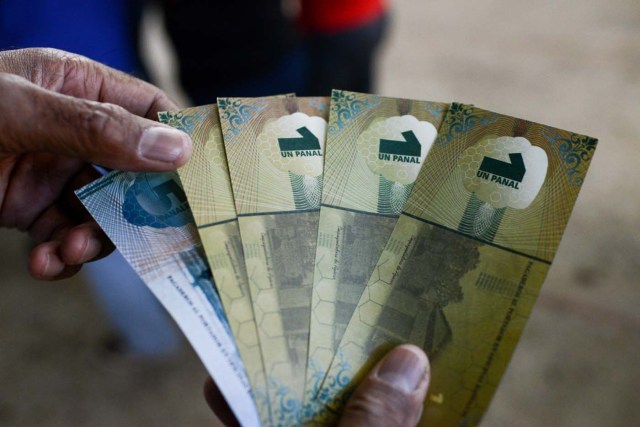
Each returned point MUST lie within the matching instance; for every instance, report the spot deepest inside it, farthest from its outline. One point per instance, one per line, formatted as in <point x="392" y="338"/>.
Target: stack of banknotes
<point x="308" y="236"/>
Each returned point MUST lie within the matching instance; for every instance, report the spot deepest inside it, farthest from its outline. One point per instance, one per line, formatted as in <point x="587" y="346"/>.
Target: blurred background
<point x="572" y="64"/>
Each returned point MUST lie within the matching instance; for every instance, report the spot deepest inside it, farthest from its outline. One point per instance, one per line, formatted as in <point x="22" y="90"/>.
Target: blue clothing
<point x="142" y="325"/>
<point x="103" y="30"/>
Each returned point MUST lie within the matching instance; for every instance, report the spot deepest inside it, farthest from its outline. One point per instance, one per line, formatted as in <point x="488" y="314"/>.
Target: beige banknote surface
<point x="374" y="150"/>
<point x="465" y="262"/>
<point x="274" y="150"/>
<point x="207" y="185"/>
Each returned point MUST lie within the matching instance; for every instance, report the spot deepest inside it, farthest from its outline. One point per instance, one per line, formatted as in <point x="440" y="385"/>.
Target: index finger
<point x="81" y="77"/>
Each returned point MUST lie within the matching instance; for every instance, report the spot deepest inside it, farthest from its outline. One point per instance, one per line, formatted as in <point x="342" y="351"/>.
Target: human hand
<point x="59" y="113"/>
<point x="391" y="395"/>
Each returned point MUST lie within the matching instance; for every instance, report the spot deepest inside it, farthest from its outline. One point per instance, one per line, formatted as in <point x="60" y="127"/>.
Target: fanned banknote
<point x="274" y="152"/>
<point x="374" y="150"/>
<point x="466" y="259"/>
<point x="147" y="217"/>
<point x="206" y="182"/>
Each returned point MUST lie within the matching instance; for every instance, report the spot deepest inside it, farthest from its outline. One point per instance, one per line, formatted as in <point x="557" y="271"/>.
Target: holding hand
<point x="58" y="114"/>
<point x="391" y="395"/>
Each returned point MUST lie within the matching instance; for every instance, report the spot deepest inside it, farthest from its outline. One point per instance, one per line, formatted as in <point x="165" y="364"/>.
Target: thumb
<point x="34" y="119"/>
<point x="393" y="393"/>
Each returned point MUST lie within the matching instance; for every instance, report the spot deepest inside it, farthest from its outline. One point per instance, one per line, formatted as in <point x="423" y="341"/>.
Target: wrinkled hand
<point x="391" y="395"/>
<point x="59" y="113"/>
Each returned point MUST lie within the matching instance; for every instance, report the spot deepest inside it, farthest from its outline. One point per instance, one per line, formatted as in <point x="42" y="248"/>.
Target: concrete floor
<point x="573" y="64"/>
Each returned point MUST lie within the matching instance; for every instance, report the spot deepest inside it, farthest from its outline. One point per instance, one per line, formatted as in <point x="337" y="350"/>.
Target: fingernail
<point x="403" y="368"/>
<point x="91" y="250"/>
<point x="163" y="144"/>
<point x="47" y="262"/>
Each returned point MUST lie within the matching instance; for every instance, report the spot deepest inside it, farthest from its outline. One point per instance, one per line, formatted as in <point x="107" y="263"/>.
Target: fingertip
<point x="80" y="245"/>
<point x="113" y="137"/>
<point x="394" y="391"/>
<point x="39" y="261"/>
<point x="405" y="368"/>
<point x="418" y="352"/>
<point x="164" y="148"/>
<point x="423" y="386"/>
<point x="187" y="150"/>
<point x="44" y="262"/>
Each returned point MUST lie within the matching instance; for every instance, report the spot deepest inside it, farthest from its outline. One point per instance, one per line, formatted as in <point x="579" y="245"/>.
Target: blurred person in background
<point x="224" y="49"/>
<point x="273" y="46"/>
<point x="341" y="40"/>
<point x="231" y="48"/>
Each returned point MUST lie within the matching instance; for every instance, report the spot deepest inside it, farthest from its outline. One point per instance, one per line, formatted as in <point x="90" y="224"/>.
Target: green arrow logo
<point x="308" y="141"/>
<point x="513" y="171"/>
<point x="410" y="146"/>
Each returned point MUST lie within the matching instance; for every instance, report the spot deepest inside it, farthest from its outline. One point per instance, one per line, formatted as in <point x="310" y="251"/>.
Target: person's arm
<point x="391" y="395"/>
<point x="59" y="113"/>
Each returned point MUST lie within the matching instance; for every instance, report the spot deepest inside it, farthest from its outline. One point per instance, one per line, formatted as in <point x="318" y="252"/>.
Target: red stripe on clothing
<point x="336" y="15"/>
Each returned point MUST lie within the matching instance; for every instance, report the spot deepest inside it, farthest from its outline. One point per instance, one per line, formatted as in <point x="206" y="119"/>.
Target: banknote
<point x="274" y="152"/>
<point x="466" y="259"/>
<point x="374" y="150"/>
<point x="148" y="218"/>
<point x="207" y="185"/>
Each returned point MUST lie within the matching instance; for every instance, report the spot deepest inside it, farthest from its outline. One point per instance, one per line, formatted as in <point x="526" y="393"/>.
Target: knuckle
<point x="45" y="67"/>
<point x="71" y="64"/>
<point x="61" y="57"/>
<point x="73" y="73"/>
<point x="101" y="120"/>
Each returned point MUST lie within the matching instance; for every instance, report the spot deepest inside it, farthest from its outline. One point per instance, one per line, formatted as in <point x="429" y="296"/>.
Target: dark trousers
<point x="344" y="60"/>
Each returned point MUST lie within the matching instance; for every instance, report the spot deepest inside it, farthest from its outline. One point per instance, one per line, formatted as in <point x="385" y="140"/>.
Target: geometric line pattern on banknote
<point x="237" y="114"/>
<point x="345" y="106"/>
<point x="461" y="118"/>
<point x="180" y="120"/>
<point x="575" y="151"/>
<point x="362" y="197"/>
